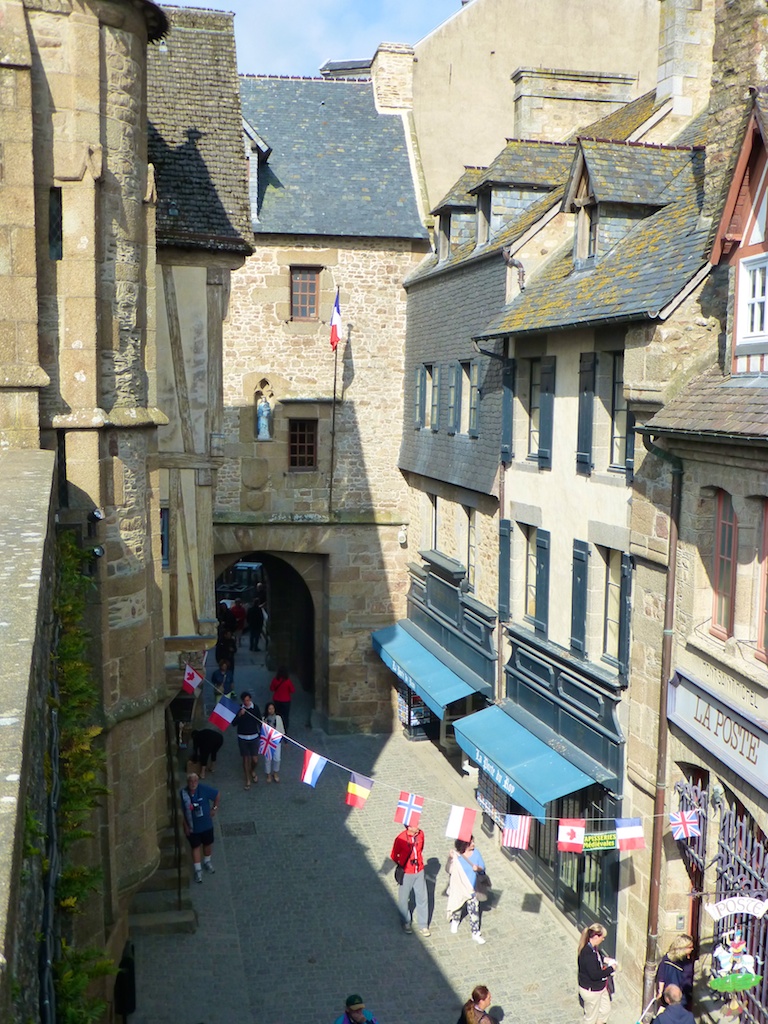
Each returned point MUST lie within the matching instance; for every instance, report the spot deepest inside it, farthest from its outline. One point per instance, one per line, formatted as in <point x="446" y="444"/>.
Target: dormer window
<point x="444" y="235"/>
<point x="586" y="221"/>
<point x="752" y="316"/>
<point x="483" y="216"/>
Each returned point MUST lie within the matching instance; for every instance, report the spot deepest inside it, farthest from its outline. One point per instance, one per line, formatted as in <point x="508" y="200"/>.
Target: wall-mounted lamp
<point x="402" y="536"/>
<point x="98" y="551"/>
<point x="96" y="515"/>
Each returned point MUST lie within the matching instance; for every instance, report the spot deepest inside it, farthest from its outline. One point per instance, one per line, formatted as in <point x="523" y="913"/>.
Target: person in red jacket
<point x="408" y="853"/>
<point x="282" y="690"/>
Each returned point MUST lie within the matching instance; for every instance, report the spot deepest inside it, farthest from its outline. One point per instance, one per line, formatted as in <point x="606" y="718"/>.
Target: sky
<point x="296" y="37"/>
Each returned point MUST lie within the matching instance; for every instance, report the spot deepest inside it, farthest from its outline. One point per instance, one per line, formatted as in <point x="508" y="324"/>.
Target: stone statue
<point x="263" y="420"/>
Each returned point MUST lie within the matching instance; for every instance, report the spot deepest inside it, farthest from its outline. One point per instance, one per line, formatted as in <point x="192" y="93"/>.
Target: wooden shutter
<point x="579" y="590"/>
<point x="474" y="399"/>
<point x="629" y="448"/>
<point x="454" y="397"/>
<point x="587" y="367"/>
<point x="419" y="396"/>
<point x="625" y="613"/>
<point x="541" y="618"/>
<point x="507" y="407"/>
<point x="505" y="554"/>
<point x="546" y="411"/>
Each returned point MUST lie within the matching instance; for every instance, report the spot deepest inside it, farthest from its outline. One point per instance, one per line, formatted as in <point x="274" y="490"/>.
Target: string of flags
<point x="572" y="836"/>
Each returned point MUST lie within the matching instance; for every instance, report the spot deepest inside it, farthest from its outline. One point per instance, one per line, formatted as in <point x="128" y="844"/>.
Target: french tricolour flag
<point x="461" y="823"/>
<point x="570" y="834"/>
<point x="192" y="679"/>
<point x="224" y="712"/>
<point x="336" y="323"/>
<point x="629" y="834"/>
<point x="313" y="766"/>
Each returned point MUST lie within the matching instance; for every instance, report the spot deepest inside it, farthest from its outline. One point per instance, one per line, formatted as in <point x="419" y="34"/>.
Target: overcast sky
<point x="296" y="37"/>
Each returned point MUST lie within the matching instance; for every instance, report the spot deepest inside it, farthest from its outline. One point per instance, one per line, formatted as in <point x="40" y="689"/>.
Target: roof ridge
<point x="305" y="78"/>
<point x="662" y="146"/>
<point x="542" y="142"/>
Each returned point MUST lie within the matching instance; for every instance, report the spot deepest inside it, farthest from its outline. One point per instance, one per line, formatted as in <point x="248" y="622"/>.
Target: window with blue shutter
<point x="625" y="614"/>
<point x="420" y="381"/>
<point x="587" y="368"/>
<point x="507" y="407"/>
<point x="474" y="398"/>
<point x="505" y="554"/>
<point x="454" y="397"/>
<point x="434" y="416"/>
<point x="541" y="618"/>
<point x="546" y="411"/>
<point x="579" y="592"/>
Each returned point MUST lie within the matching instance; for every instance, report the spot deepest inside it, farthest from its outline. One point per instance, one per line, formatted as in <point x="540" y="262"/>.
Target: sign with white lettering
<point x="494" y="773"/>
<point x="737" y="738"/>
<point x="736" y="905"/>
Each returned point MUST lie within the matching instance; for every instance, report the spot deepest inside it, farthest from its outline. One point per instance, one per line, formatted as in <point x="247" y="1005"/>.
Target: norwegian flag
<point x="685" y="824"/>
<point x="517" y="831"/>
<point x="570" y="834"/>
<point x="192" y="679"/>
<point x="269" y="739"/>
<point x="409" y="808"/>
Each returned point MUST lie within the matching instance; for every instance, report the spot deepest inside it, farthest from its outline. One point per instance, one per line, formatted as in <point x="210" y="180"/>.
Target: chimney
<point x="686" y="36"/>
<point x="392" y="73"/>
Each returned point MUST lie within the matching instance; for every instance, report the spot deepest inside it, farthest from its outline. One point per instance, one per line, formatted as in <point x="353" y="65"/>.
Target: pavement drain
<point x="238" y="828"/>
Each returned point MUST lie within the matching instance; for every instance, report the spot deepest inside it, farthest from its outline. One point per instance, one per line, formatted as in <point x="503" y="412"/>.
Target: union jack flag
<point x="685" y="824"/>
<point x="268" y="740"/>
<point x="409" y="808"/>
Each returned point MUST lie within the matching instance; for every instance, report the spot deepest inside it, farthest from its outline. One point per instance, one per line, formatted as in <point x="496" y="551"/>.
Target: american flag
<point x="268" y="740"/>
<point x="517" y="831"/>
<point x="685" y="824"/>
<point x="409" y="808"/>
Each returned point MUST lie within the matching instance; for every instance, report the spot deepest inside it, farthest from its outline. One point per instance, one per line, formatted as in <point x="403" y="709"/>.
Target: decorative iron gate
<point x="742" y="869"/>
<point x="695" y="797"/>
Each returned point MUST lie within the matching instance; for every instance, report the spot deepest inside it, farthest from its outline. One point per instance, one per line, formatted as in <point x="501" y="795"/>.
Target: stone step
<point x="166" y="877"/>
<point x="165" y="922"/>
<point x="159" y="901"/>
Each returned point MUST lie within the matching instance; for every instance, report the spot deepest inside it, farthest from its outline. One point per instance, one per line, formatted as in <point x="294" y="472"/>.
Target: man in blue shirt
<point x="355" y="1012"/>
<point x="198" y="804"/>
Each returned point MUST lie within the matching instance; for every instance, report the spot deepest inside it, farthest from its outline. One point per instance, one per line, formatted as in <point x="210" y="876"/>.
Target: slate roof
<point x="460" y="195"/>
<point x="196" y="134"/>
<point x="527" y="164"/>
<point x="337" y="166"/>
<point x="622" y="123"/>
<point x="631" y="172"/>
<point x="717" y="407"/>
<point x="637" y="278"/>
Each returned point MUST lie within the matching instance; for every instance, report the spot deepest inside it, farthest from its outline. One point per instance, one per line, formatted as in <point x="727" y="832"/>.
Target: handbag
<point x="399" y="874"/>
<point x="482" y="886"/>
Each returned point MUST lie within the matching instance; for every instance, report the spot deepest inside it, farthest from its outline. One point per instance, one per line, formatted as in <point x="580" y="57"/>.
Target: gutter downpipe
<point x="651" y="951"/>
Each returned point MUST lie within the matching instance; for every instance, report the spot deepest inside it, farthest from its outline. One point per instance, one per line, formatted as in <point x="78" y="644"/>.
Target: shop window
<point x="726" y="547"/>
<point x="302" y="444"/>
<point x="305" y="293"/>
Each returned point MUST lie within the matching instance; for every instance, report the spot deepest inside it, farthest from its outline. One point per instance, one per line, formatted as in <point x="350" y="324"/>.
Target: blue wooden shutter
<point x="507" y="407"/>
<point x="546" y="411"/>
<point x="419" y="396"/>
<point x="541" y="618"/>
<point x="434" y="418"/>
<point x="474" y="399"/>
<point x="579" y="590"/>
<point x="587" y="366"/>
<point x="505" y="553"/>
<point x="454" y="396"/>
<point x="625" y="613"/>
<point x="629" y="448"/>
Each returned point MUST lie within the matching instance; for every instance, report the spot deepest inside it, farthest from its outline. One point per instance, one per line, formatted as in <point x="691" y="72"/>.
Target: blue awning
<point x="419" y="669"/>
<point x="518" y="762"/>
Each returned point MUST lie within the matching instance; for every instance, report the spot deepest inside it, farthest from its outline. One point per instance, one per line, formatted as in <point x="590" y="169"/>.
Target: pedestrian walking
<point x="464" y="865"/>
<point x="355" y="1012"/>
<point x="226" y="648"/>
<point x="282" y="689"/>
<point x="595" y="975"/>
<point x="248" y="724"/>
<point x="221" y="684"/>
<point x="238" y="614"/>
<point x="673" y="1011"/>
<point x="474" y="1011"/>
<point x="272" y="755"/>
<point x="206" y="743"/>
<point x="255" y="621"/>
<point x="676" y="968"/>
<point x="198" y="804"/>
<point x="408" y="855"/>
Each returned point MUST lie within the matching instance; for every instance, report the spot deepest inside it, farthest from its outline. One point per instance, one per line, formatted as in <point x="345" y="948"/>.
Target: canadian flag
<point x="570" y="834"/>
<point x="192" y="679"/>
<point x="461" y="822"/>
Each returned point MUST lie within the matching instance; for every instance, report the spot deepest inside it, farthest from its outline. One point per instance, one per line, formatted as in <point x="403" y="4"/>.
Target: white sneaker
<point x="454" y="927"/>
<point x="478" y="938"/>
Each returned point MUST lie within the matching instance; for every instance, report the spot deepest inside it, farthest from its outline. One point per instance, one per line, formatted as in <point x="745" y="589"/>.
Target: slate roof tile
<point x="460" y="195"/>
<point x="527" y="164"/>
<point x="630" y="172"/>
<point x="622" y="123"/>
<point x="337" y="167"/>
<point x="195" y="134"/>
<point x="716" y="406"/>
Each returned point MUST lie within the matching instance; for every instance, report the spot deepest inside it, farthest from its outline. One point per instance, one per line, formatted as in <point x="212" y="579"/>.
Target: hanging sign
<point x="600" y="841"/>
<point x="736" y="905"/>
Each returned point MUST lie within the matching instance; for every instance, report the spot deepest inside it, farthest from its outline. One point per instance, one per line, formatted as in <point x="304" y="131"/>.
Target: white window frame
<point x="748" y="339"/>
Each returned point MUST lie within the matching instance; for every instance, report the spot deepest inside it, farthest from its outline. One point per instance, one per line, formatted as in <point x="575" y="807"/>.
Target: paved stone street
<point x="302" y="908"/>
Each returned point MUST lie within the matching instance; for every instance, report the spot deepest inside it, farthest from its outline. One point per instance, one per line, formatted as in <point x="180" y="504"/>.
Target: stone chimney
<point x="686" y="35"/>
<point x="392" y="73"/>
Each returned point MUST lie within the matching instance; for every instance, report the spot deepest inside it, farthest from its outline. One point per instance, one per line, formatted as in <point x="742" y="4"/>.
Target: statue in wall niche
<point x="263" y="420"/>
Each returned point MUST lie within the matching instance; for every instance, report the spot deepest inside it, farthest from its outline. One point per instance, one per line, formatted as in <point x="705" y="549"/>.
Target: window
<point x="433" y="522"/>
<point x="471" y="559"/>
<point x="302" y="444"/>
<point x="431" y="377"/>
<point x="612" y="605"/>
<point x="55" y="228"/>
<point x="537" y="578"/>
<point x="454" y="398"/>
<point x="469" y="398"/>
<point x="541" y="408"/>
<point x="444" y="236"/>
<point x="165" y="514"/>
<point x="305" y="291"/>
<point x="587" y="371"/>
<point x="419" y="396"/>
<point x="618" y="413"/>
<point x="534" y="407"/>
<point x="530" y="572"/>
<point x="483" y="216"/>
<point x="752" y="315"/>
<point x="726" y="541"/>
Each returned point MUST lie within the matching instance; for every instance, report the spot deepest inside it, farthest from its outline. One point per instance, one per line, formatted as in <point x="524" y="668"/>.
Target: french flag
<point x="461" y="823"/>
<point x="224" y="712"/>
<point x="313" y="766"/>
<point x="629" y="834"/>
<point x="336" y="323"/>
<point x="192" y="679"/>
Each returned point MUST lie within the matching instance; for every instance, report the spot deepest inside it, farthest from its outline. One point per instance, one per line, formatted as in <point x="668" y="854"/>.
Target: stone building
<point x="308" y="486"/>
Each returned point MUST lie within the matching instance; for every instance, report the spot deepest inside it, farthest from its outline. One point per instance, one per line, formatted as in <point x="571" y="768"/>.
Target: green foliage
<point x="73" y="975"/>
<point x="33" y="832"/>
